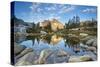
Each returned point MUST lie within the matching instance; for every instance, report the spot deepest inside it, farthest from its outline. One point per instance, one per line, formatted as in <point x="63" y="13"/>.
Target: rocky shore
<point x="90" y="44"/>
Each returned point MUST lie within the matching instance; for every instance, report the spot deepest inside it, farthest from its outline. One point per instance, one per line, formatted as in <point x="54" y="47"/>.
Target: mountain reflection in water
<point x="55" y="42"/>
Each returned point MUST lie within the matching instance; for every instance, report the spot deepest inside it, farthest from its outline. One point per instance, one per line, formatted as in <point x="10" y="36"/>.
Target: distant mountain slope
<point x="17" y="21"/>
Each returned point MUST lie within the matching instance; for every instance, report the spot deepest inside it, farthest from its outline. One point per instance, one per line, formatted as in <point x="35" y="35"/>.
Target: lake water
<point x="54" y="42"/>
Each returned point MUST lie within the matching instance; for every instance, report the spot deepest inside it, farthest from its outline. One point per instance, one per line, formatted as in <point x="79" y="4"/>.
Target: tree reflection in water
<point x="71" y="42"/>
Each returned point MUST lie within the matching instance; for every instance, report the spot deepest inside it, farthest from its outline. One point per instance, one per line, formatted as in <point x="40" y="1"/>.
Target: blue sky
<point x="36" y="12"/>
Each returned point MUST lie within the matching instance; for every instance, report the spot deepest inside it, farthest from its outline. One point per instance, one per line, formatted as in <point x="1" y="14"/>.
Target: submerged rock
<point x="27" y="59"/>
<point x="18" y="48"/>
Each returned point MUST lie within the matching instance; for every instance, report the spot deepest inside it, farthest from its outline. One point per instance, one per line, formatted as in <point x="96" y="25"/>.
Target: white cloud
<point x="39" y="10"/>
<point x="65" y="9"/>
<point x="39" y="13"/>
<point x="54" y="8"/>
<point x="34" y="7"/>
<point x="38" y="18"/>
<point x="89" y="10"/>
<point x="54" y="16"/>
<point x="51" y="8"/>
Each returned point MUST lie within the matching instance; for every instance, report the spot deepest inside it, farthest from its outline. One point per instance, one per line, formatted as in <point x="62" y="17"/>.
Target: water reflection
<point x="72" y="41"/>
<point x="55" y="42"/>
<point x="55" y="39"/>
<point x="18" y="38"/>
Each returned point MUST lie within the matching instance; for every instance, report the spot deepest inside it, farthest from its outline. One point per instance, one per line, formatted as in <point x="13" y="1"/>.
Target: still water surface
<point x="54" y="42"/>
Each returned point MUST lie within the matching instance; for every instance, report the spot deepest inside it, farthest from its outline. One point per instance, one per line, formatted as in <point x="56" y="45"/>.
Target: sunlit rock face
<point x="53" y="24"/>
<point x="56" y="25"/>
<point x="55" y="39"/>
<point x="45" y="23"/>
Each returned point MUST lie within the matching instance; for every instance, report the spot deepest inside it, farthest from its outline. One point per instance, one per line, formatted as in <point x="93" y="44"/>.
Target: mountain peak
<point x="54" y="24"/>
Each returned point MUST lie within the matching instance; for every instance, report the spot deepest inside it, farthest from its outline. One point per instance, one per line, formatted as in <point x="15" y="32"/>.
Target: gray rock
<point x="60" y="59"/>
<point x="83" y="46"/>
<point x="83" y="34"/>
<point x="86" y="58"/>
<point x="21" y="63"/>
<point x="89" y="42"/>
<point x="27" y="59"/>
<point x="95" y="43"/>
<point x="91" y="48"/>
<point x="80" y="58"/>
<point x="87" y="38"/>
<point x="95" y="52"/>
<point x="74" y="59"/>
<point x="92" y="41"/>
<point x="43" y="56"/>
<point x="61" y="53"/>
<point x="18" y="48"/>
<point x="25" y="51"/>
<point x="91" y="54"/>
